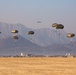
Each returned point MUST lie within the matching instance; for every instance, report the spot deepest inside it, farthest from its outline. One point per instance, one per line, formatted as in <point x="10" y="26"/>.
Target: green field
<point x="38" y="66"/>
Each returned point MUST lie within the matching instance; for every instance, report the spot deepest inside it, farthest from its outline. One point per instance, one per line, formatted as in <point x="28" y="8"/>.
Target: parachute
<point x="54" y="25"/>
<point x="15" y="38"/>
<point x="70" y="35"/>
<point x="14" y="31"/>
<point x="59" y="26"/>
<point x="38" y="21"/>
<point x="30" y="32"/>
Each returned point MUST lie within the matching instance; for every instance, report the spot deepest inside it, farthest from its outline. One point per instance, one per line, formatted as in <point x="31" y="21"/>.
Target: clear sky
<point x="28" y="12"/>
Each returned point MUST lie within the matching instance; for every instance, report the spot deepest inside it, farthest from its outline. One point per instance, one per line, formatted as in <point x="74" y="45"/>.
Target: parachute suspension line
<point x="30" y="37"/>
<point x="71" y="40"/>
<point x="58" y="34"/>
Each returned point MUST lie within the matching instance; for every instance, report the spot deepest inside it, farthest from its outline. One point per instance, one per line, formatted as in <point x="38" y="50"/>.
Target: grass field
<point x="38" y="66"/>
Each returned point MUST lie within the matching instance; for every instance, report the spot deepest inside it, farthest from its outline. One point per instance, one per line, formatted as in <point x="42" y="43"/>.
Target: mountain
<point x="45" y="41"/>
<point x="9" y="46"/>
<point x="47" y="36"/>
<point x="42" y="37"/>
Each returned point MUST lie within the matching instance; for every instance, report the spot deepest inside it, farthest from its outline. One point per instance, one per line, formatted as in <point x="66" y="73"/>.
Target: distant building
<point x="22" y="54"/>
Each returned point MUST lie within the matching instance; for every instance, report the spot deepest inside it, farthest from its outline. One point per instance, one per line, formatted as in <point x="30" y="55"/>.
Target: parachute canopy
<point x="15" y="37"/>
<point x="14" y="31"/>
<point x="70" y="35"/>
<point x="54" y="25"/>
<point x="38" y="21"/>
<point x="31" y="32"/>
<point x="59" y="26"/>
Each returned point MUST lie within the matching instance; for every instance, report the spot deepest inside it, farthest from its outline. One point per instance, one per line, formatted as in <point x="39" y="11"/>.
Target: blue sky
<point x="28" y="12"/>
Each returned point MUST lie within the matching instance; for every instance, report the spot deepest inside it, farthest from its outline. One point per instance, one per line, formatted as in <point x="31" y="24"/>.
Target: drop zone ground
<point x="38" y="66"/>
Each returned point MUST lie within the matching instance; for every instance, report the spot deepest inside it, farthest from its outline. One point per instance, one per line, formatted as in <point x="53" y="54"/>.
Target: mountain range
<point x="44" y="41"/>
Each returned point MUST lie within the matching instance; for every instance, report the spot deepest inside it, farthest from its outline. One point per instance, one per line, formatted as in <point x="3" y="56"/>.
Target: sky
<point x="28" y="12"/>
